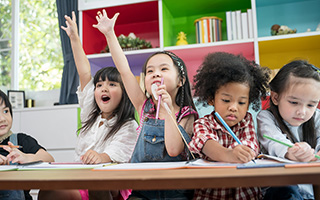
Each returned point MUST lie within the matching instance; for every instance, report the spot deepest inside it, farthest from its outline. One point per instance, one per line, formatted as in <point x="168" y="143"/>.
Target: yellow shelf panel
<point x="276" y="53"/>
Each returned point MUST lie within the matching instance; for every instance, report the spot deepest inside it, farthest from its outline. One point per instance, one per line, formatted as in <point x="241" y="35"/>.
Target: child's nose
<point x="233" y="107"/>
<point x="105" y="88"/>
<point x="301" y="111"/>
<point x="156" y="73"/>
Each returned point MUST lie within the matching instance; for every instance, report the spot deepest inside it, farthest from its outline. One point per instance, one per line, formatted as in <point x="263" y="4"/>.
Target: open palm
<point x="105" y="24"/>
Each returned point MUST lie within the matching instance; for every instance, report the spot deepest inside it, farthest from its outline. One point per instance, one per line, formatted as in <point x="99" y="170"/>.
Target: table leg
<point x="316" y="191"/>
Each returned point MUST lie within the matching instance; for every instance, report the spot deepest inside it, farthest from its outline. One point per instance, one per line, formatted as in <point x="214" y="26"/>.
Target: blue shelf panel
<point x="301" y="15"/>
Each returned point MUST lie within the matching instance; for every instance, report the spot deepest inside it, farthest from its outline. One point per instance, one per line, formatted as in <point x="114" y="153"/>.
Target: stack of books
<point x="208" y="29"/>
<point x="239" y="25"/>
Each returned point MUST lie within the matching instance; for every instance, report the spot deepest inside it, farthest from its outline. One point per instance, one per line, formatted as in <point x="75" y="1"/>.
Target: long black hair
<point x="184" y="96"/>
<point x="4" y="99"/>
<point x="125" y="111"/>
<point x="280" y="83"/>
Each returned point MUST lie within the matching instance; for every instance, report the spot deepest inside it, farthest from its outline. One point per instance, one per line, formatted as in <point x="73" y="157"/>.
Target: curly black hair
<point x="220" y="68"/>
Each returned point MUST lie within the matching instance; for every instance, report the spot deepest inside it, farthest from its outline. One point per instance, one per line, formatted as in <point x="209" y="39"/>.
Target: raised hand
<point x="105" y="24"/>
<point x="71" y="29"/>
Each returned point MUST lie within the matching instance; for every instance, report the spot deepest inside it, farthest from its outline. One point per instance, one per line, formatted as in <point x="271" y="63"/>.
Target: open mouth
<point x="105" y="98"/>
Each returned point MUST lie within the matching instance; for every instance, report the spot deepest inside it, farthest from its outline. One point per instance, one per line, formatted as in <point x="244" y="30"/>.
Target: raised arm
<point x="106" y="26"/>
<point x="80" y="58"/>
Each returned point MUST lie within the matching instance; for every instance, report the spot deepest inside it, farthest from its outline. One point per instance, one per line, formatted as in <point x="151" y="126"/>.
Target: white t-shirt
<point x="119" y="147"/>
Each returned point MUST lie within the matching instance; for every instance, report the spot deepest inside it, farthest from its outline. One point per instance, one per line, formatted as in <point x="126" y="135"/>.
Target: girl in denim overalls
<point x="159" y="140"/>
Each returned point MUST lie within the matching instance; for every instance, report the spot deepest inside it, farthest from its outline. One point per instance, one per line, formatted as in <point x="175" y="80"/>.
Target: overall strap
<point x="14" y="139"/>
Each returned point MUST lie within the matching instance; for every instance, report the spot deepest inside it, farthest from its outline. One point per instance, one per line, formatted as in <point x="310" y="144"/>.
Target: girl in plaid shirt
<point x="230" y="83"/>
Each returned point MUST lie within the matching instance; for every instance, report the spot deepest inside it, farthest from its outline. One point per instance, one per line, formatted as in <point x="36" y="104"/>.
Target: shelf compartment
<point x="193" y="57"/>
<point x="140" y="18"/>
<point x="296" y="14"/>
<point x="276" y="53"/>
<point x="179" y="15"/>
<point x="135" y="58"/>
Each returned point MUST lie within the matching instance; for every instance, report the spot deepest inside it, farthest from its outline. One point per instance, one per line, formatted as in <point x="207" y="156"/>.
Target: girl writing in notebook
<point x="108" y="133"/>
<point x="28" y="151"/>
<point x="159" y="138"/>
<point x="230" y="83"/>
<point x="292" y="118"/>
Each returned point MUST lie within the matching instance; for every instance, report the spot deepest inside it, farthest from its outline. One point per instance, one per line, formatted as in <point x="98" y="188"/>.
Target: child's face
<point x="160" y="66"/>
<point x="298" y="103"/>
<point x="108" y="96"/>
<point x="5" y="119"/>
<point x="231" y="102"/>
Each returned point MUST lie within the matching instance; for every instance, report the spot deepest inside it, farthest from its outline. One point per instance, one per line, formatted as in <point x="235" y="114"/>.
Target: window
<point x="5" y="43"/>
<point x="40" y="60"/>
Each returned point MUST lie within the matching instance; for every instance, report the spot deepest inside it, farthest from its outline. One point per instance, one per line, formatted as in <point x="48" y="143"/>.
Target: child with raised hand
<point x="230" y="83"/>
<point x="108" y="133"/>
<point x="159" y="139"/>
<point x="293" y="117"/>
<point x="30" y="149"/>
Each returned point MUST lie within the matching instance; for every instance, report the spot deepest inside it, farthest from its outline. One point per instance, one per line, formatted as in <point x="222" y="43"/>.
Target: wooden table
<point x="158" y="179"/>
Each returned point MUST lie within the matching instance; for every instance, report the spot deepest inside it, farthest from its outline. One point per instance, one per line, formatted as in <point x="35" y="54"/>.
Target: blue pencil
<point x="229" y="129"/>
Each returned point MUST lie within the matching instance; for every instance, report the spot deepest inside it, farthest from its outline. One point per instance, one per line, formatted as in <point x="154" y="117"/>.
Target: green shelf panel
<point x="180" y="15"/>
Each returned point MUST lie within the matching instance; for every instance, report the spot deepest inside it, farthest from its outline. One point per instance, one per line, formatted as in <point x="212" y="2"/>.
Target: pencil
<point x="159" y="102"/>
<point x="229" y="129"/>
<point x="283" y="143"/>
<point x="11" y="146"/>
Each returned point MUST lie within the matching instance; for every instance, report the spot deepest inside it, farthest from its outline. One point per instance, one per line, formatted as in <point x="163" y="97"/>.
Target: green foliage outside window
<point x="40" y="54"/>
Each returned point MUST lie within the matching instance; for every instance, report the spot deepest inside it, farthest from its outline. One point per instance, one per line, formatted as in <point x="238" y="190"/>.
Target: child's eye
<point x="164" y="69"/>
<point x="311" y="105"/>
<point x="98" y="85"/>
<point x="293" y="102"/>
<point x="242" y="103"/>
<point x="113" y="84"/>
<point x="149" y="71"/>
<point x="226" y="100"/>
<point x="5" y="111"/>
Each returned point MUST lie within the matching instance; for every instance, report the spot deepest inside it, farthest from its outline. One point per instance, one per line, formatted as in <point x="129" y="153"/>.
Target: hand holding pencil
<point x="242" y="152"/>
<point x="300" y="151"/>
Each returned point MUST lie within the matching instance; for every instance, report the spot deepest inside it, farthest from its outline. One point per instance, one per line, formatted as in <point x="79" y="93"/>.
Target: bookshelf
<point x="159" y="21"/>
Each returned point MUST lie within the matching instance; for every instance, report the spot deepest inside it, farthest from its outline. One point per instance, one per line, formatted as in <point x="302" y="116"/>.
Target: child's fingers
<point x="74" y="17"/>
<point x="115" y="17"/>
<point x="3" y="160"/>
<point x="104" y="12"/>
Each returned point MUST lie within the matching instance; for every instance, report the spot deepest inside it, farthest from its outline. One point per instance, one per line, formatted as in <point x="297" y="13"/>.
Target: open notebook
<point x="48" y="166"/>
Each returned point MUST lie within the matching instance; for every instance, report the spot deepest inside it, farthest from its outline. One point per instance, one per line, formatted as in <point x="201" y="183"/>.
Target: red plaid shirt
<point x="207" y="128"/>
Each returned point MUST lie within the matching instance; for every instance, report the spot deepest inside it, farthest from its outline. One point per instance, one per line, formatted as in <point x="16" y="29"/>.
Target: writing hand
<point x="243" y="153"/>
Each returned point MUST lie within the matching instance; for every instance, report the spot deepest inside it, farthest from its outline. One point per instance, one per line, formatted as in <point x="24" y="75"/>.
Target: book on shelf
<point x="244" y="25"/>
<point x="250" y="23"/>
<point x="234" y="25"/>
<point x="238" y="23"/>
<point x="229" y="25"/>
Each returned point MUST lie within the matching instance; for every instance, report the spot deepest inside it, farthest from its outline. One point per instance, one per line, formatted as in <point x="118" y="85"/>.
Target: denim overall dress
<point x="150" y="147"/>
<point x="12" y="194"/>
